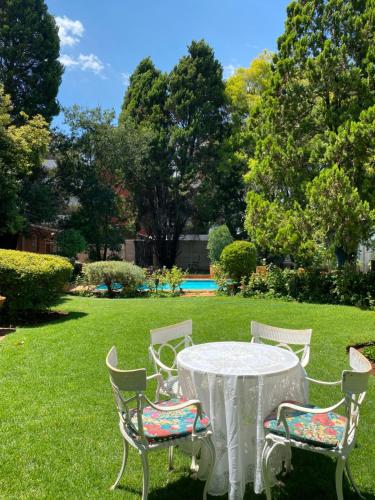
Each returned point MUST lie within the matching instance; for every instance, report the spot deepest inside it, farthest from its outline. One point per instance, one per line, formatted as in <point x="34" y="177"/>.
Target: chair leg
<point x="288" y="458"/>
<point x="170" y="458"/>
<point x="123" y="465"/>
<point x="339" y="473"/>
<point x="145" y="475"/>
<point x="194" y="465"/>
<point x="211" y="448"/>
<point x="265" y="456"/>
<point x="351" y="480"/>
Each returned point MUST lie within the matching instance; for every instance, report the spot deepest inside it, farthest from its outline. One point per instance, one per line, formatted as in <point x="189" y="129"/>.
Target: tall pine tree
<point x="184" y="116"/>
<point x="29" y="49"/>
<point x="323" y="82"/>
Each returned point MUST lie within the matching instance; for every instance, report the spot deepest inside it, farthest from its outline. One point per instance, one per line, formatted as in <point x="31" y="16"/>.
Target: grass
<point x="58" y="427"/>
<point x="369" y="352"/>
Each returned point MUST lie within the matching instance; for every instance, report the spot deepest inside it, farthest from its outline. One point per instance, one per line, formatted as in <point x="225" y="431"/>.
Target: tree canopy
<point x="184" y="117"/>
<point x="86" y="169"/>
<point x="29" y="50"/>
<point x="244" y="92"/>
<point x="22" y="150"/>
<point x="317" y="113"/>
<point x="246" y="86"/>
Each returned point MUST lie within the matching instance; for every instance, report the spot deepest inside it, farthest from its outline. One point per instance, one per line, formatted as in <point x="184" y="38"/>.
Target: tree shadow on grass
<point x="47" y="317"/>
<point x="183" y="488"/>
<point x="39" y="318"/>
<point x="313" y="478"/>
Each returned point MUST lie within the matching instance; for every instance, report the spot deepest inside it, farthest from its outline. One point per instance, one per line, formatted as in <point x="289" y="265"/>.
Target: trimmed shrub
<point x="31" y="281"/>
<point x="218" y="238"/>
<point x="239" y="259"/>
<point x="110" y="272"/>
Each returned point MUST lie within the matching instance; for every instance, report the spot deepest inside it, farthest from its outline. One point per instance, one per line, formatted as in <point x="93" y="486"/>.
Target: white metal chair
<point x="150" y="426"/>
<point x="320" y="430"/>
<point x="284" y="337"/>
<point x="165" y="344"/>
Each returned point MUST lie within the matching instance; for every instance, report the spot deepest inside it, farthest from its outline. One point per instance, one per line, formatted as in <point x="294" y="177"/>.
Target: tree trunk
<point x="97" y="251"/>
<point x="166" y="251"/>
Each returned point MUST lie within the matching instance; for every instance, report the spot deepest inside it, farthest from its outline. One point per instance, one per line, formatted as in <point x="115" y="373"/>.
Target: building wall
<point x="38" y="240"/>
<point x="128" y="251"/>
<point x="193" y="256"/>
<point x="365" y="256"/>
<point x="192" y="253"/>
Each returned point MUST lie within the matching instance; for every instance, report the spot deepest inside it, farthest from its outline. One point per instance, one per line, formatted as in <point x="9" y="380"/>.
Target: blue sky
<point x="103" y="41"/>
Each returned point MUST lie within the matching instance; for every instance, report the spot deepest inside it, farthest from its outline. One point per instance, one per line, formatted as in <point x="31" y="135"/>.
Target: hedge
<point x="30" y="281"/>
<point x="342" y="286"/>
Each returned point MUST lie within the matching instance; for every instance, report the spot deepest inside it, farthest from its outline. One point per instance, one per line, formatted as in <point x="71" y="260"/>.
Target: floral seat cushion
<point x="320" y="429"/>
<point x="161" y="425"/>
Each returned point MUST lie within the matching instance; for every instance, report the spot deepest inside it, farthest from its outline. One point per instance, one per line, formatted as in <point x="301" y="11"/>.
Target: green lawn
<point x="59" y="435"/>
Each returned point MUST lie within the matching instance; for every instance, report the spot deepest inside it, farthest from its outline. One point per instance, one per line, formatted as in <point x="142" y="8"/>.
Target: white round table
<point x="239" y="384"/>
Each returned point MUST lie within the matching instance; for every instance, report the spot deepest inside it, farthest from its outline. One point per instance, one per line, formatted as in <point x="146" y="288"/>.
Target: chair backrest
<point x="166" y="342"/>
<point x="354" y="385"/>
<point x="284" y="337"/>
<point x="134" y="381"/>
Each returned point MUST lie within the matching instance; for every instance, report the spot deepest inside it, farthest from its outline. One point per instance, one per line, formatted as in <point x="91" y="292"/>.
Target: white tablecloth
<point x="239" y="384"/>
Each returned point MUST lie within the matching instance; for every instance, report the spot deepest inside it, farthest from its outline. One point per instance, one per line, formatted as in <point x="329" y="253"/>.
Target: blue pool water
<point x="206" y="285"/>
<point x="193" y="285"/>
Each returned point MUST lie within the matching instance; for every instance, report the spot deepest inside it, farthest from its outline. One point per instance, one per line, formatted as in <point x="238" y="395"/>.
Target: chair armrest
<point x="323" y="382"/>
<point x="179" y="406"/>
<point x="285" y="406"/>
<point x="156" y="376"/>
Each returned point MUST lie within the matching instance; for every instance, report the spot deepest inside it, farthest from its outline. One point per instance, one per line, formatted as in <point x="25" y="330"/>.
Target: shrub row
<point x="343" y="286"/>
<point x="30" y="281"/>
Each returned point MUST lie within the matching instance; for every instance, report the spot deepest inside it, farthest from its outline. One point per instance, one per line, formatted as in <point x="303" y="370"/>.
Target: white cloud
<point x="67" y="61"/>
<point x="70" y="32"/>
<point x="89" y="62"/>
<point x="229" y="70"/>
<point x="125" y="77"/>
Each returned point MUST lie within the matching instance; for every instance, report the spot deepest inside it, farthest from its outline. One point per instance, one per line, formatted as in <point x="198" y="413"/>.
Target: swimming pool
<point x="187" y="285"/>
<point x="196" y="285"/>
